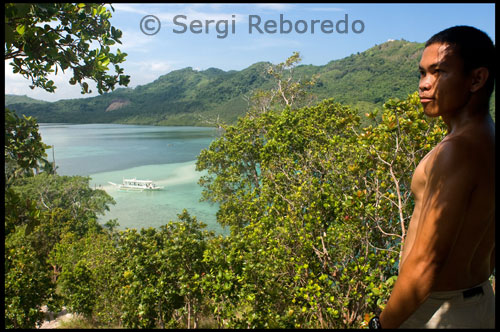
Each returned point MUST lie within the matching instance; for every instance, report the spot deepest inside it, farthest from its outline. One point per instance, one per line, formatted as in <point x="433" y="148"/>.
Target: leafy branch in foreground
<point x="42" y="38"/>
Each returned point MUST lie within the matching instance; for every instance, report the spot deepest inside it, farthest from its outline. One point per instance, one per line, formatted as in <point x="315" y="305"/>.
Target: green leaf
<point x="9" y="34"/>
<point x="21" y="29"/>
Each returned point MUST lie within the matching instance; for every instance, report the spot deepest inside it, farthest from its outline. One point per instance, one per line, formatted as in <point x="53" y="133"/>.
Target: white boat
<point x="134" y="184"/>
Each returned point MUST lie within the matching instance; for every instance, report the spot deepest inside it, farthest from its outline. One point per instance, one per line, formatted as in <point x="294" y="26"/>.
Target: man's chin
<point x="430" y="111"/>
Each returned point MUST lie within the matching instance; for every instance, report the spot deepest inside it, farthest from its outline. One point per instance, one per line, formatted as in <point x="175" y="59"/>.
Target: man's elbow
<point x="427" y="268"/>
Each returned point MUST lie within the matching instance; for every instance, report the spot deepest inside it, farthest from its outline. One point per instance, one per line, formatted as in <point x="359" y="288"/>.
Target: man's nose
<point x="425" y="83"/>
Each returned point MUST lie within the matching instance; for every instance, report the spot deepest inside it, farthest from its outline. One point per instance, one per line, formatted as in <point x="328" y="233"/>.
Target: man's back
<point x="470" y="260"/>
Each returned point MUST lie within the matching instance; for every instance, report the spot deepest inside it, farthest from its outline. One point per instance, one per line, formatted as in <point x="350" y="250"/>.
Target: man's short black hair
<point x="473" y="46"/>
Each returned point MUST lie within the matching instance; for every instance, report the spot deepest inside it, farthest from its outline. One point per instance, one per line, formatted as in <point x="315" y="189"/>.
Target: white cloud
<point x="161" y="67"/>
<point x="134" y="41"/>
<point x="144" y="72"/>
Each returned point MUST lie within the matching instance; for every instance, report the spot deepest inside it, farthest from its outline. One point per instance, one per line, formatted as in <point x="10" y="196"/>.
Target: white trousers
<point x="453" y="310"/>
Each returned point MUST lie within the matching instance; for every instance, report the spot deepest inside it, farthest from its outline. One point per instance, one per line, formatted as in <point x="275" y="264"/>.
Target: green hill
<point x="187" y="96"/>
<point x="15" y="99"/>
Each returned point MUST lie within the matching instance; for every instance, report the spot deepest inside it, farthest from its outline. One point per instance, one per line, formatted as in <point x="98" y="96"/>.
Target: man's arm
<point x="450" y="181"/>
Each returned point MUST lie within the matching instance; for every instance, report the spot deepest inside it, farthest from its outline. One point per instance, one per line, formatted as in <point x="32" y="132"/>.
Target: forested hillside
<point x="190" y="97"/>
<point x="15" y="99"/>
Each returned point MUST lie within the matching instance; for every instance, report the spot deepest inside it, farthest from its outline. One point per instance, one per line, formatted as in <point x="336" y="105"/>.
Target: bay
<point x="111" y="152"/>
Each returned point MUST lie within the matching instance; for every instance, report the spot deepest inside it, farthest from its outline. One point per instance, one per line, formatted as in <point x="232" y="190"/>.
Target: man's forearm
<point x="411" y="289"/>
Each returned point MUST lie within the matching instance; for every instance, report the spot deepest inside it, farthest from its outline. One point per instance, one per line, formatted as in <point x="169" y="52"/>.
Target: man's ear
<point x="479" y="77"/>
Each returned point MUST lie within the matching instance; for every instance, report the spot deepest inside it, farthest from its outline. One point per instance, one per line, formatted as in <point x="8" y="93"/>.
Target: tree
<point x="318" y="207"/>
<point x="27" y="282"/>
<point x="276" y="179"/>
<point x="160" y="274"/>
<point x="40" y="211"/>
<point x="70" y="193"/>
<point x="287" y="90"/>
<point x="39" y="37"/>
<point x="24" y="149"/>
<point x="42" y="38"/>
<point x="88" y="281"/>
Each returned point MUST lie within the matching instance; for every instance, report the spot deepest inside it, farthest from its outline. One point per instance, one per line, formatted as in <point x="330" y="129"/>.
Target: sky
<point x="235" y="36"/>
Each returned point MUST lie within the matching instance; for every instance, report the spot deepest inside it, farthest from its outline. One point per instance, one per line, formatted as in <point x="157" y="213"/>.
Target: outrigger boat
<point x="134" y="184"/>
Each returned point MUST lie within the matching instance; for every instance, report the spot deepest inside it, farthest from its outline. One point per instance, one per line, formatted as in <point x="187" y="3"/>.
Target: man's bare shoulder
<point x="454" y="154"/>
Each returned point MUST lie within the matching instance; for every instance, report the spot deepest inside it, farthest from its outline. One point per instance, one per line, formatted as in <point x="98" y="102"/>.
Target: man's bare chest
<point x="419" y="178"/>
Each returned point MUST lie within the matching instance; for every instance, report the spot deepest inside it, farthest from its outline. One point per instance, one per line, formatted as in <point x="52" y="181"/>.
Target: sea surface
<point x="111" y="152"/>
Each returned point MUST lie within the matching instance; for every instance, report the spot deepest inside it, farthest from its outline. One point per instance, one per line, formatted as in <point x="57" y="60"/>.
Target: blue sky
<point x="150" y="56"/>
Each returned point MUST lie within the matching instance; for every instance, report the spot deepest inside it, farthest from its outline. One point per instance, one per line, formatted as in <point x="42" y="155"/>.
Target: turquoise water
<point x="110" y="152"/>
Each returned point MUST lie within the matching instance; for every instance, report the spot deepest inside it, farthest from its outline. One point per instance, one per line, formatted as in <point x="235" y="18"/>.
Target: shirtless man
<point x="448" y="255"/>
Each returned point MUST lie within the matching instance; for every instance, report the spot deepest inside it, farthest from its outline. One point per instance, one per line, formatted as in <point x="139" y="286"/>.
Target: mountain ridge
<point x="189" y="97"/>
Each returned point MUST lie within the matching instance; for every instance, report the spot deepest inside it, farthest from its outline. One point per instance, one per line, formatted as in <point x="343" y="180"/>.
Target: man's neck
<point x="470" y="114"/>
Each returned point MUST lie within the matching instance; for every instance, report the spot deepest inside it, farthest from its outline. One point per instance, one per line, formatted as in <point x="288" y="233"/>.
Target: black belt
<point x="473" y="292"/>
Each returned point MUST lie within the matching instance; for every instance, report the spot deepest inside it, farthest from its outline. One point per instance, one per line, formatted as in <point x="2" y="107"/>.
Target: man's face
<point x="444" y="88"/>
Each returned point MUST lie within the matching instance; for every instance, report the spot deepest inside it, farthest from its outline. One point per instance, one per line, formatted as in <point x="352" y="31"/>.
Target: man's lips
<point x="426" y="99"/>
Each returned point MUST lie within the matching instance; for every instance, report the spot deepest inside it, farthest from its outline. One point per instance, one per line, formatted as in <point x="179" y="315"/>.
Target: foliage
<point x="287" y="91"/>
<point x="79" y="322"/>
<point x="87" y="282"/>
<point x="15" y="99"/>
<point x="160" y="274"/>
<point x="24" y="149"/>
<point x="27" y="282"/>
<point x="79" y="284"/>
<point x="42" y="208"/>
<point x="388" y="70"/>
<point x="69" y="193"/>
<point x="27" y="277"/>
<point x="135" y="279"/>
<point x="41" y="36"/>
<point x="317" y="207"/>
<point x="394" y="147"/>
<point x="40" y="211"/>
